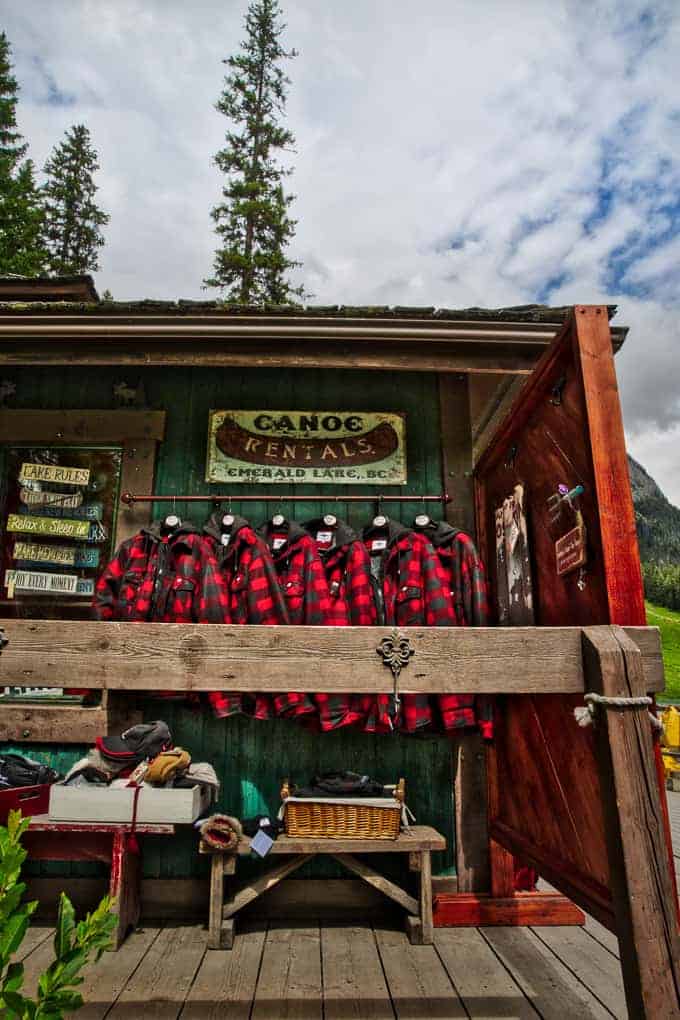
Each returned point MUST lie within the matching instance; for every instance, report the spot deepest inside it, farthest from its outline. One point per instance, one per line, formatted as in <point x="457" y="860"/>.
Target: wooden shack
<point x="492" y="400"/>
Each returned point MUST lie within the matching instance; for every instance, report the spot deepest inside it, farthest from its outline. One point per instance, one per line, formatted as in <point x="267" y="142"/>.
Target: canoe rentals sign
<point x="336" y="447"/>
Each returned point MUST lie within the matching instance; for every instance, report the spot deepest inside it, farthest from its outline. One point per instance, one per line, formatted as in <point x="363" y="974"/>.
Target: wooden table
<point x="48" y="840"/>
<point x="418" y="842"/>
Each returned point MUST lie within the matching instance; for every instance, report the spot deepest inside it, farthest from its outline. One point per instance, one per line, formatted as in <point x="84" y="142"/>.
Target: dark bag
<point x="15" y="770"/>
<point x="341" y="784"/>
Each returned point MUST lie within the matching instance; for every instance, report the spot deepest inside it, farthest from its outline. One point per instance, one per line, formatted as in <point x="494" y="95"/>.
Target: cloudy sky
<point x="449" y="153"/>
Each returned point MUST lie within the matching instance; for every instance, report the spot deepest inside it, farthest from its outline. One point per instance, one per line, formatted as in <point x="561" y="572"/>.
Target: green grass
<point x="668" y="623"/>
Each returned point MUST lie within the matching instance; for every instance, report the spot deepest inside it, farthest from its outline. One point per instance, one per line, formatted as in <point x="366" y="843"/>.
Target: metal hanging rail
<point x="130" y="498"/>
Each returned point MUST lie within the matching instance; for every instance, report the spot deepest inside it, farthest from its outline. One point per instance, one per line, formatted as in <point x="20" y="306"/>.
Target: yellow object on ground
<point x="671" y="725"/>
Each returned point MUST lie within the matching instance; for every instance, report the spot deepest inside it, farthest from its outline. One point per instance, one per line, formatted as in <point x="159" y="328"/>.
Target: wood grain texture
<point x="84" y="426"/>
<point x="260" y="885"/>
<point x="591" y="340"/>
<point x="224" y="986"/>
<point x="103" y="984"/>
<point x="452" y="910"/>
<point x="354" y="986"/>
<point x="592" y="964"/>
<point x="455" y="430"/>
<point x="59" y="724"/>
<point x="485" y="988"/>
<point x="413" y="839"/>
<point x="142" y="656"/>
<point x="157" y="990"/>
<point x="290" y="983"/>
<point x="641" y="882"/>
<point x="379" y="882"/>
<point x="136" y="475"/>
<point x="418" y="982"/>
<point x="549" y="986"/>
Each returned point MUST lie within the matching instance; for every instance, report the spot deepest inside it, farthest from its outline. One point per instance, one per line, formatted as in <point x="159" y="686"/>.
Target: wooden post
<point x="641" y="884"/>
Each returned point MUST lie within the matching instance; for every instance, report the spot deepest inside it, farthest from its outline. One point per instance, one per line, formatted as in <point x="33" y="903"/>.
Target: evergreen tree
<point x="72" y="217"/>
<point x="21" y="216"/>
<point x="252" y="221"/>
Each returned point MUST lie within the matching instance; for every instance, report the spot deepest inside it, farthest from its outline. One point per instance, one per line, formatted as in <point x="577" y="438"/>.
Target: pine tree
<point x="21" y="215"/>
<point x="252" y="221"/>
<point x="72" y="217"/>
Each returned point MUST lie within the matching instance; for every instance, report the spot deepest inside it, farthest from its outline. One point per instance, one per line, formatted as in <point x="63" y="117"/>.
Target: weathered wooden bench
<point x="47" y="840"/>
<point x="418" y="842"/>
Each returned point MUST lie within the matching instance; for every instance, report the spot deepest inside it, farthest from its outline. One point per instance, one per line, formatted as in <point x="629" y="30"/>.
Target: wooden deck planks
<point x="224" y="986"/>
<point x="105" y="981"/>
<point x="590" y="962"/>
<point x="418" y="982"/>
<point x="290" y="982"/>
<point x="354" y="986"/>
<point x="34" y="937"/>
<point x="484" y="985"/>
<point x="158" y="987"/>
<point x="551" y="988"/>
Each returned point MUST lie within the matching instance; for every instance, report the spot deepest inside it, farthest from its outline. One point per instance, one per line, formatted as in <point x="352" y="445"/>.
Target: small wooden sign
<point x="570" y="550"/>
<point x="37" y="581"/>
<point x="31" y="497"/>
<point x="86" y="512"/>
<point x="30" y="554"/>
<point x="54" y="473"/>
<point x="48" y="526"/>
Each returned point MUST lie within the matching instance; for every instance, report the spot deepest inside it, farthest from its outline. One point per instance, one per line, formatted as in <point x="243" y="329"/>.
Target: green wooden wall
<point x="252" y="757"/>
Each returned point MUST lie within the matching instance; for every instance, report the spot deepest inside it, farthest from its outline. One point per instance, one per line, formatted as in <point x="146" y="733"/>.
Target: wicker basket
<point x="319" y="819"/>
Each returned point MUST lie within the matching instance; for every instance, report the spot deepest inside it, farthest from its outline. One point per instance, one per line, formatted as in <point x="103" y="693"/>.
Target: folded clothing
<point x="166" y="765"/>
<point x="222" y="832"/>
<point x="272" y="827"/>
<point x="199" y="773"/>
<point x="341" y="784"/>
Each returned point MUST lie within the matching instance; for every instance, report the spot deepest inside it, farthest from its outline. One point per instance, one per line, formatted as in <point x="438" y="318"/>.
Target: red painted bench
<point x="47" y="840"/>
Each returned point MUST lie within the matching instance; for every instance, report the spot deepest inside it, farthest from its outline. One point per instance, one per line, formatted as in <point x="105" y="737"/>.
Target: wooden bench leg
<point x="220" y="932"/>
<point x="420" y="930"/>
<point x="124" y="887"/>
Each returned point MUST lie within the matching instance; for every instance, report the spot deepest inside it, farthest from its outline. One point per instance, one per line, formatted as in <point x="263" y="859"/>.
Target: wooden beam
<point x="414" y="355"/>
<point x="108" y="426"/>
<point x="176" y="656"/>
<point x="262" y="884"/>
<point x="642" y="889"/>
<point x="378" y="882"/>
<point x="455" y="429"/>
<point x="469" y="910"/>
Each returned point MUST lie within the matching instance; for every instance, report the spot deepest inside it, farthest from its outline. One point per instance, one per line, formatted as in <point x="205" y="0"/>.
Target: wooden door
<point x="545" y="802"/>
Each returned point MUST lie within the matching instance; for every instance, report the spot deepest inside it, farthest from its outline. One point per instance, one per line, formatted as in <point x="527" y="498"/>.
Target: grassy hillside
<point x="668" y="623"/>
<point x="658" y="521"/>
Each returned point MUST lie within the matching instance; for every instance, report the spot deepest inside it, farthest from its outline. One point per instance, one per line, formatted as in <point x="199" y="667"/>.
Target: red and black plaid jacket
<point x="171" y="579"/>
<point x="303" y="583"/>
<point x="411" y="591"/>
<point x="347" y="566"/>
<point x="252" y="595"/>
<point x="467" y="583"/>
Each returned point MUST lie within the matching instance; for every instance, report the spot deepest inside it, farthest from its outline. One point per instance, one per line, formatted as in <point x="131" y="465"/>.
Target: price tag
<point x="324" y="537"/>
<point x="278" y="542"/>
<point x="378" y="544"/>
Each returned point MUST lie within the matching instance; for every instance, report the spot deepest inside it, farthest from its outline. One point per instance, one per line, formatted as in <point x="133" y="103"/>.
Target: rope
<point x="585" y="714"/>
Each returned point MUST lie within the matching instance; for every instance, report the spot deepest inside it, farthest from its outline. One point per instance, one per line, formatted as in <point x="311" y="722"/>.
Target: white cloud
<point x="541" y="137"/>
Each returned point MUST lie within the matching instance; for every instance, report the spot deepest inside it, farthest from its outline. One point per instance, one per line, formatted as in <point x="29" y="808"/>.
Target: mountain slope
<point x="658" y="521"/>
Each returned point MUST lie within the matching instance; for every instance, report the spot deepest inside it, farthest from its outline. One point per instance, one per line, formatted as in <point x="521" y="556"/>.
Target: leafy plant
<point x="74" y="941"/>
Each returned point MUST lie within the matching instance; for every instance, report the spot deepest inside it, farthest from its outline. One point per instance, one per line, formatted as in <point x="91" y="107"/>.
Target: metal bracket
<point x="396" y="653"/>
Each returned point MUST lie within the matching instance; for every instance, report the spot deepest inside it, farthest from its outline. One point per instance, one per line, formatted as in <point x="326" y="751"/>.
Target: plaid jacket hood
<point x="171" y="579"/>
<point x="251" y="594"/>
<point x="466" y="580"/>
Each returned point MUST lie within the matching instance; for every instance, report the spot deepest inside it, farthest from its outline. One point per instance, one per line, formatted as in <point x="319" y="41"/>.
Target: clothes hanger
<point x="422" y="520"/>
<point x="172" y="521"/>
<point x="227" y="523"/>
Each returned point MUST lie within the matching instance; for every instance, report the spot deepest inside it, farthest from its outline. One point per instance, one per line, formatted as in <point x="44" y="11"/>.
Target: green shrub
<point x="74" y="942"/>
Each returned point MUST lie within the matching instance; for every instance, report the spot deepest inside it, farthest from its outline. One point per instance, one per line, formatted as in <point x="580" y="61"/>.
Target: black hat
<point x="146" y="740"/>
